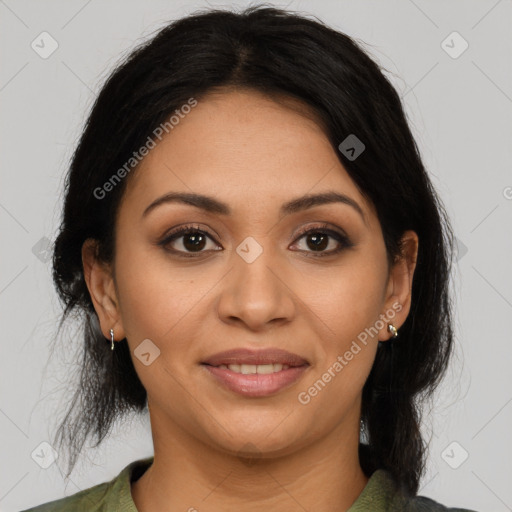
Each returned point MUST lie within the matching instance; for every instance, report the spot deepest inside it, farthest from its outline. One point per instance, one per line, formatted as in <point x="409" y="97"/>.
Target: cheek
<point x="349" y="313"/>
<point x="347" y="297"/>
<point x="156" y="295"/>
<point x="346" y="353"/>
<point x="149" y="297"/>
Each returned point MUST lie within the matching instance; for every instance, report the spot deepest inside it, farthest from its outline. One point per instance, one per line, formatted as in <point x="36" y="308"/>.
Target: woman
<point x="260" y="258"/>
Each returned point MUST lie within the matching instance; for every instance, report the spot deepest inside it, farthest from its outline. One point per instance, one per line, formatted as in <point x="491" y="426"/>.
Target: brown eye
<point x="194" y="241"/>
<point x="317" y="241"/>
<point x="188" y="240"/>
<point x="320" y="238"/>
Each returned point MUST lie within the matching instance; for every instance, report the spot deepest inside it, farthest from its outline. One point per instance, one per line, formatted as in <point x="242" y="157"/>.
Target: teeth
<point x="261" y="369"/>
<point x="268" y="368"/>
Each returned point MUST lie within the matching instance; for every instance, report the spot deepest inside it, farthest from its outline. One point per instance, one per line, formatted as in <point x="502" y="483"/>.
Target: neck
<point x="188" y="474"/>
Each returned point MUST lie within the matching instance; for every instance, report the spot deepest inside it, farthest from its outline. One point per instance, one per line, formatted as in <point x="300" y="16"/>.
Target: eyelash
<point x="323" y="229"/>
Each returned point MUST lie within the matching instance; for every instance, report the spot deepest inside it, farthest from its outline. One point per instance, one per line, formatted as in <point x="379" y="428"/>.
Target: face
<point x="261" y="270"/>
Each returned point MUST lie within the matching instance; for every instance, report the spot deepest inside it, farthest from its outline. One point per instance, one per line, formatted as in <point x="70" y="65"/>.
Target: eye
<point x="187" y="240"/>
<point x="319" y="238"/>
<point x="191" y="241"/>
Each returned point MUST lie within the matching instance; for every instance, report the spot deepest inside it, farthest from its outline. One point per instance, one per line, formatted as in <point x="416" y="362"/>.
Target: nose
<point x="257" y="294"/>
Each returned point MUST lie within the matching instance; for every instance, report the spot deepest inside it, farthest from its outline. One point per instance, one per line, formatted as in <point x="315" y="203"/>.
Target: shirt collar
<point x="377" y="496"/>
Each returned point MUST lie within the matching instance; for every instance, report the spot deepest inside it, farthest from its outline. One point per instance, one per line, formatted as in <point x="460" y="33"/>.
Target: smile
<point x="249" y="369"/>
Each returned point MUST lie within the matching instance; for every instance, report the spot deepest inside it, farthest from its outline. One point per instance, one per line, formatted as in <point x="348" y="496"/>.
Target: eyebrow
<point x="213" y="205"/>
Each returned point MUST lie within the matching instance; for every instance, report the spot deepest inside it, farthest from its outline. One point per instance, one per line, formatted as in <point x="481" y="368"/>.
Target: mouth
<point x="252" y="369"/>
<point x="256" y="373"/>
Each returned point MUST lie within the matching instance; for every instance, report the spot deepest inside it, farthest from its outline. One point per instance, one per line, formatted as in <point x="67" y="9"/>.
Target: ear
<point x="100" y="282"/>
<point x="399" y="287"/>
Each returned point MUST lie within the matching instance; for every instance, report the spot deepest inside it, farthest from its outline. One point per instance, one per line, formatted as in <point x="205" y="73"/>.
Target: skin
<point x="214" y="449"/>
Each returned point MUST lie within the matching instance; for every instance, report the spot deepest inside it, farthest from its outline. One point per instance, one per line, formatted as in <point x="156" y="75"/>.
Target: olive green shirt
<point x="380" y="494"/>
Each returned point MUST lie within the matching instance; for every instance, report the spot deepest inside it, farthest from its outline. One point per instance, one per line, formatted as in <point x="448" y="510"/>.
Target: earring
<point x="393" y="330"/>
<point x="112" y="338"/>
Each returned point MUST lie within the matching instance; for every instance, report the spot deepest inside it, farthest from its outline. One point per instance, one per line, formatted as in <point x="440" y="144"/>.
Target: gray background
<point x="460" y="112"/>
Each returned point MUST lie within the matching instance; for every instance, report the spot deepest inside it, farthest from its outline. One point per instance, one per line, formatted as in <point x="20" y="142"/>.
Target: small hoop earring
<point x="393" y="330"/>
<point x="112" y="338"/>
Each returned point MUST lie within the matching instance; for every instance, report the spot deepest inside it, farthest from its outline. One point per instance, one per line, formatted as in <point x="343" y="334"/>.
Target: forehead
<point x="243" y="147"/>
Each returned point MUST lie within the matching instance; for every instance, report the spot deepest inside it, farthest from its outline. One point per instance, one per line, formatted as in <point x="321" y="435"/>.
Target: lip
<point x="256" y="385"/>
<point x="264" y="356"/>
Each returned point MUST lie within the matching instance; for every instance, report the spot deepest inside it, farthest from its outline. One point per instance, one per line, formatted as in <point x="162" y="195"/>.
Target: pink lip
<point x="247" y="356"/>
<point x="255" y="385"/>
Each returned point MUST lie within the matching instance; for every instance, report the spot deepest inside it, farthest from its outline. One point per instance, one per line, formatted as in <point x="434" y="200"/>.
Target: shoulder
<point x="111" y="496"/>
<point x="421" y="504"/>
<point x="399" y="501"/>
<point x="424" y="504"/>
<point x="89" y="499"/>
